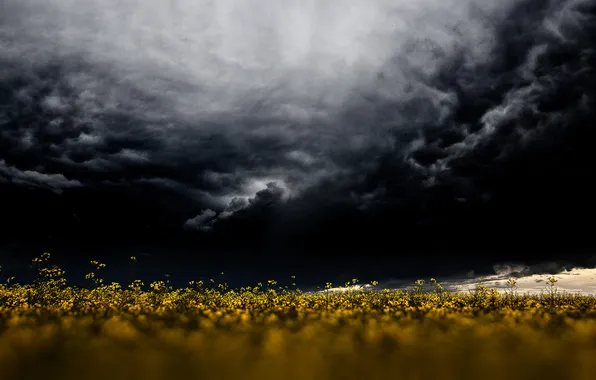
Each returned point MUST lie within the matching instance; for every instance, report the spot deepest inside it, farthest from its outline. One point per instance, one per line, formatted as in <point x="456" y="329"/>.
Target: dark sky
<point x="377" y="138"/>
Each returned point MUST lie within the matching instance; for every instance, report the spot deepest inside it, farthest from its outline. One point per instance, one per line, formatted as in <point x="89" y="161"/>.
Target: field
<point x="49" y="330"/>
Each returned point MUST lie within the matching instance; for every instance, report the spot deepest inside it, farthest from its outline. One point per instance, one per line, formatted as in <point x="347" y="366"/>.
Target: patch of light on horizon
<point x="576" y="281"/>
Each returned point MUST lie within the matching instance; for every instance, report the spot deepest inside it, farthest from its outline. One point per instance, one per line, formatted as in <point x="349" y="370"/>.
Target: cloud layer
<point x="313" y="120"/>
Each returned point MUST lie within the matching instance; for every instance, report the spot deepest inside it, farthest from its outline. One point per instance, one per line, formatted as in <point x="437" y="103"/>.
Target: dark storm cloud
<point x="538" y="78"/>
<point x="316" y="121"/>
<point x="112" y="88"/>
<point x="55" y="182"/>
<point x="502" y="157"/>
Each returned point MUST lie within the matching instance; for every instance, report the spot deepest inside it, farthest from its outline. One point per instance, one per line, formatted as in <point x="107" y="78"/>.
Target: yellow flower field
<point x="49" y="330"/>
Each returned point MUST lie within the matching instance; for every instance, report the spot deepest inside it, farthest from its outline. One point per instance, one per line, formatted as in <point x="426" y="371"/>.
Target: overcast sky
<point x="395" y="135"/>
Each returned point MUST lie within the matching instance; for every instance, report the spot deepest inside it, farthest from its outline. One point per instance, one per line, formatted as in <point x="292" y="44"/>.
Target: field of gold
<point x="49" y="330"/>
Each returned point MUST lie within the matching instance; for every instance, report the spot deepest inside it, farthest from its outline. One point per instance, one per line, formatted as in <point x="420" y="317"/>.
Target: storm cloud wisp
<point x="237" y="106"/>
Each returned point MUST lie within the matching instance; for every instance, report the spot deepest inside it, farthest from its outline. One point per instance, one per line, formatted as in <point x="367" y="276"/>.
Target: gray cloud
<point x="31" y="178"/>
<point x="273" y="194"/>
<point x="201" y="221"/>
<point x="362" y="103"/>
<point x="250" y="80"/>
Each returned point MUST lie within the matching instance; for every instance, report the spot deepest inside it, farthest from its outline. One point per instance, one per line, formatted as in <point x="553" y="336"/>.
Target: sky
<point x="330" y="139"/>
